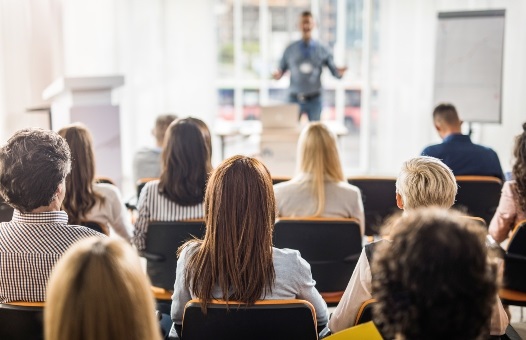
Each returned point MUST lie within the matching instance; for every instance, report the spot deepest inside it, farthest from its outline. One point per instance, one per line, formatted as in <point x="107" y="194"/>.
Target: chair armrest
<point x="151" y="256"/>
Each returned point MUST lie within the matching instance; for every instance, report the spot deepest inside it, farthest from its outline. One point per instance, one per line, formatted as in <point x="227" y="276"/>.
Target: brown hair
<point x="236" y="253"/>
<point x="33" y="164"/>
<point x="519" y="167"/>
<point x="446" y="113"/>
<point x="80" y="196"/>
<point x="434" y="280"/>
<point x="185" y="163"/>
<point x="98" y="291"/>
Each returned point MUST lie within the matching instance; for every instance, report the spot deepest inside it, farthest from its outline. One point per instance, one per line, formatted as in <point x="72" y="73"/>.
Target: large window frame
<point x="239" y="84"/>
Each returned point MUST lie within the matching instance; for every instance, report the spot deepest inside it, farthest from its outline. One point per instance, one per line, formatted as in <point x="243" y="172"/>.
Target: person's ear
<point x="399" y="201"/>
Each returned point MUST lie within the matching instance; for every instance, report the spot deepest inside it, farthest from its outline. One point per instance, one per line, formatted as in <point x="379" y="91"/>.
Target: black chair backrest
<point x="379" y="200"/>
<point x="330" y="246"/>
<point x="277" y="179"/>
<point x="97" y="226"/>
<point x="478" y="196"/>
<point x="162" y="241"/>
<point x="515" y="260"/>
<point x="141" y="183"/>
<point x="6" y="211"/>
<point x="21" y="322"/>
<point x="281" y="319"/>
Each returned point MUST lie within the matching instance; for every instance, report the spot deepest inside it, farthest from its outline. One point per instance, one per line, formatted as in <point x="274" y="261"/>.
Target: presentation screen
<point x="468" y="63"/>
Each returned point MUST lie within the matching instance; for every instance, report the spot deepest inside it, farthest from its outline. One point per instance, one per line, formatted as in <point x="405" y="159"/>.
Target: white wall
<point x="166" y="50"/>
<point x="407" y="44"/>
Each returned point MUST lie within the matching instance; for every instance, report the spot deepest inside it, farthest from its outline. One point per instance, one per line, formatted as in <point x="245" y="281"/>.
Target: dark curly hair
<point x="33" y="163"/>
<point x="435" y="280"/>
<point x="519" y="168"/>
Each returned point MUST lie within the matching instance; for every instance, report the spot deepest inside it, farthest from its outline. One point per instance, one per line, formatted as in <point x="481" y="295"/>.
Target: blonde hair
<point x="318" y="156"/>
<point x="426" y="181"/>
<point x="99" y="291"/>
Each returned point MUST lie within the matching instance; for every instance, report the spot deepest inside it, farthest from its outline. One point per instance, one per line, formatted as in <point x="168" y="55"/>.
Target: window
<point x="252" y="35"/>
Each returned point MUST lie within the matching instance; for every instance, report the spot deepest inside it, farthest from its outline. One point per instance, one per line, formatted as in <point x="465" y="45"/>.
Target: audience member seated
<point x="178" y="194"/>
<point x="147" y="161"/>
<point x="34" y="164"/>
<point x="512" y="205"/>
<point x="98" y="290"/>
<point x="319" y="189"/>
<point x="236" y="260"/>
<point x="434" y="280"/>
<point x="85" y="199"/>
<point x="423" y="182"/>
<point x="457" y="151"/>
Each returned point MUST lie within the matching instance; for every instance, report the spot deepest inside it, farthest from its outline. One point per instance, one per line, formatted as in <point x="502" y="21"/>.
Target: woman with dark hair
<point x="86" y="200"/>
<point x="512" y="205"/>
<point x="178" y="194"/>
<point x="236" y="261"/>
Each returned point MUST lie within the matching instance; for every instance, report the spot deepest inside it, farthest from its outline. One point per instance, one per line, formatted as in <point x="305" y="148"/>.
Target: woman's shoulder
<point x="107" y="190"/>
<point x="344" y="186"/>
<point x="188" y="249"/>
<point x="284" y="255"/>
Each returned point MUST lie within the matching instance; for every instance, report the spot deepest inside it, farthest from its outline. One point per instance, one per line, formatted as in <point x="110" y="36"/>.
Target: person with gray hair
<point x="422" y="182"/>
<point x="147" y="161"/>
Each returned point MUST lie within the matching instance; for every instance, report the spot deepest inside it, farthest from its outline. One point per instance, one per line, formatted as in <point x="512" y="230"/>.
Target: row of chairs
<point x="288" y="318"/>
<point x="330" y="245"/>
<point x="477" y="196"/>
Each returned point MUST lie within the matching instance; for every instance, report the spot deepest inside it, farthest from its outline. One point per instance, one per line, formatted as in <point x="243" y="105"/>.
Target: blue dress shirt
<point x="464" y="157"/>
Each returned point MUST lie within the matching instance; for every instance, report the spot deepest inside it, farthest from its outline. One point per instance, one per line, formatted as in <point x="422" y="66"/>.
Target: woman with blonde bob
<point x="85" y="199"/>
<point x="99" y="291"/>
<point x="319" y="188"/>
<point x="236" y="261"/>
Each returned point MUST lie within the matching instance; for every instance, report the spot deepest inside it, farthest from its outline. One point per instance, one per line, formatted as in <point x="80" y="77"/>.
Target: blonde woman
<point x="99" y="291"/>
<point x="319" y="188"/>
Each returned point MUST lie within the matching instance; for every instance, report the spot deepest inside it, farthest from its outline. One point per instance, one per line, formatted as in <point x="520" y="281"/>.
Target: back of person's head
<point x="306" y="13"/>
<point x="519" y="167"/>
<point x="236" y="253"/>
<point x="206" y="133"/>
<point x="33" y="164"/>
<point x="99" y="291"/>
<point x="185" y="163"/>
<point x="434" y="280"/>
<point x="80" y="197"/>
<point x="161" y="125"/>
<point x="424" y="182"/>
<point x="318" y="158"/>
<point x="446" y="114"/>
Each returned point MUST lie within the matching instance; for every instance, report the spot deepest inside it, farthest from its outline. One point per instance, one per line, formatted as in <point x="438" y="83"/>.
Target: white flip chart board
<point x="468" y="63"/>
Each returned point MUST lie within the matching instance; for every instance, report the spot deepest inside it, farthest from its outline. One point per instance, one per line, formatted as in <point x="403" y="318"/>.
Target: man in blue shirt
<point x="305" y="59"/>
<point x="457" y="151"/>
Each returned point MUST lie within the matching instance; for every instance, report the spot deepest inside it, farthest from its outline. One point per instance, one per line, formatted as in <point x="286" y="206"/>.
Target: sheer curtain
<point x="164" y="48"/>
<point x="30" y="58"/>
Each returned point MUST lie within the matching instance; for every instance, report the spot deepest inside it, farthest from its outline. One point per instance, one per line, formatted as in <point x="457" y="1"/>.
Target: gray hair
<point x="426" y="181"/>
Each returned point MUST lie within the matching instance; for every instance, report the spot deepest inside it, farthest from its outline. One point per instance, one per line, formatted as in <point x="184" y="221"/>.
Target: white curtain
<point x="30" y="58"/>
<point x="164" y="48"/>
